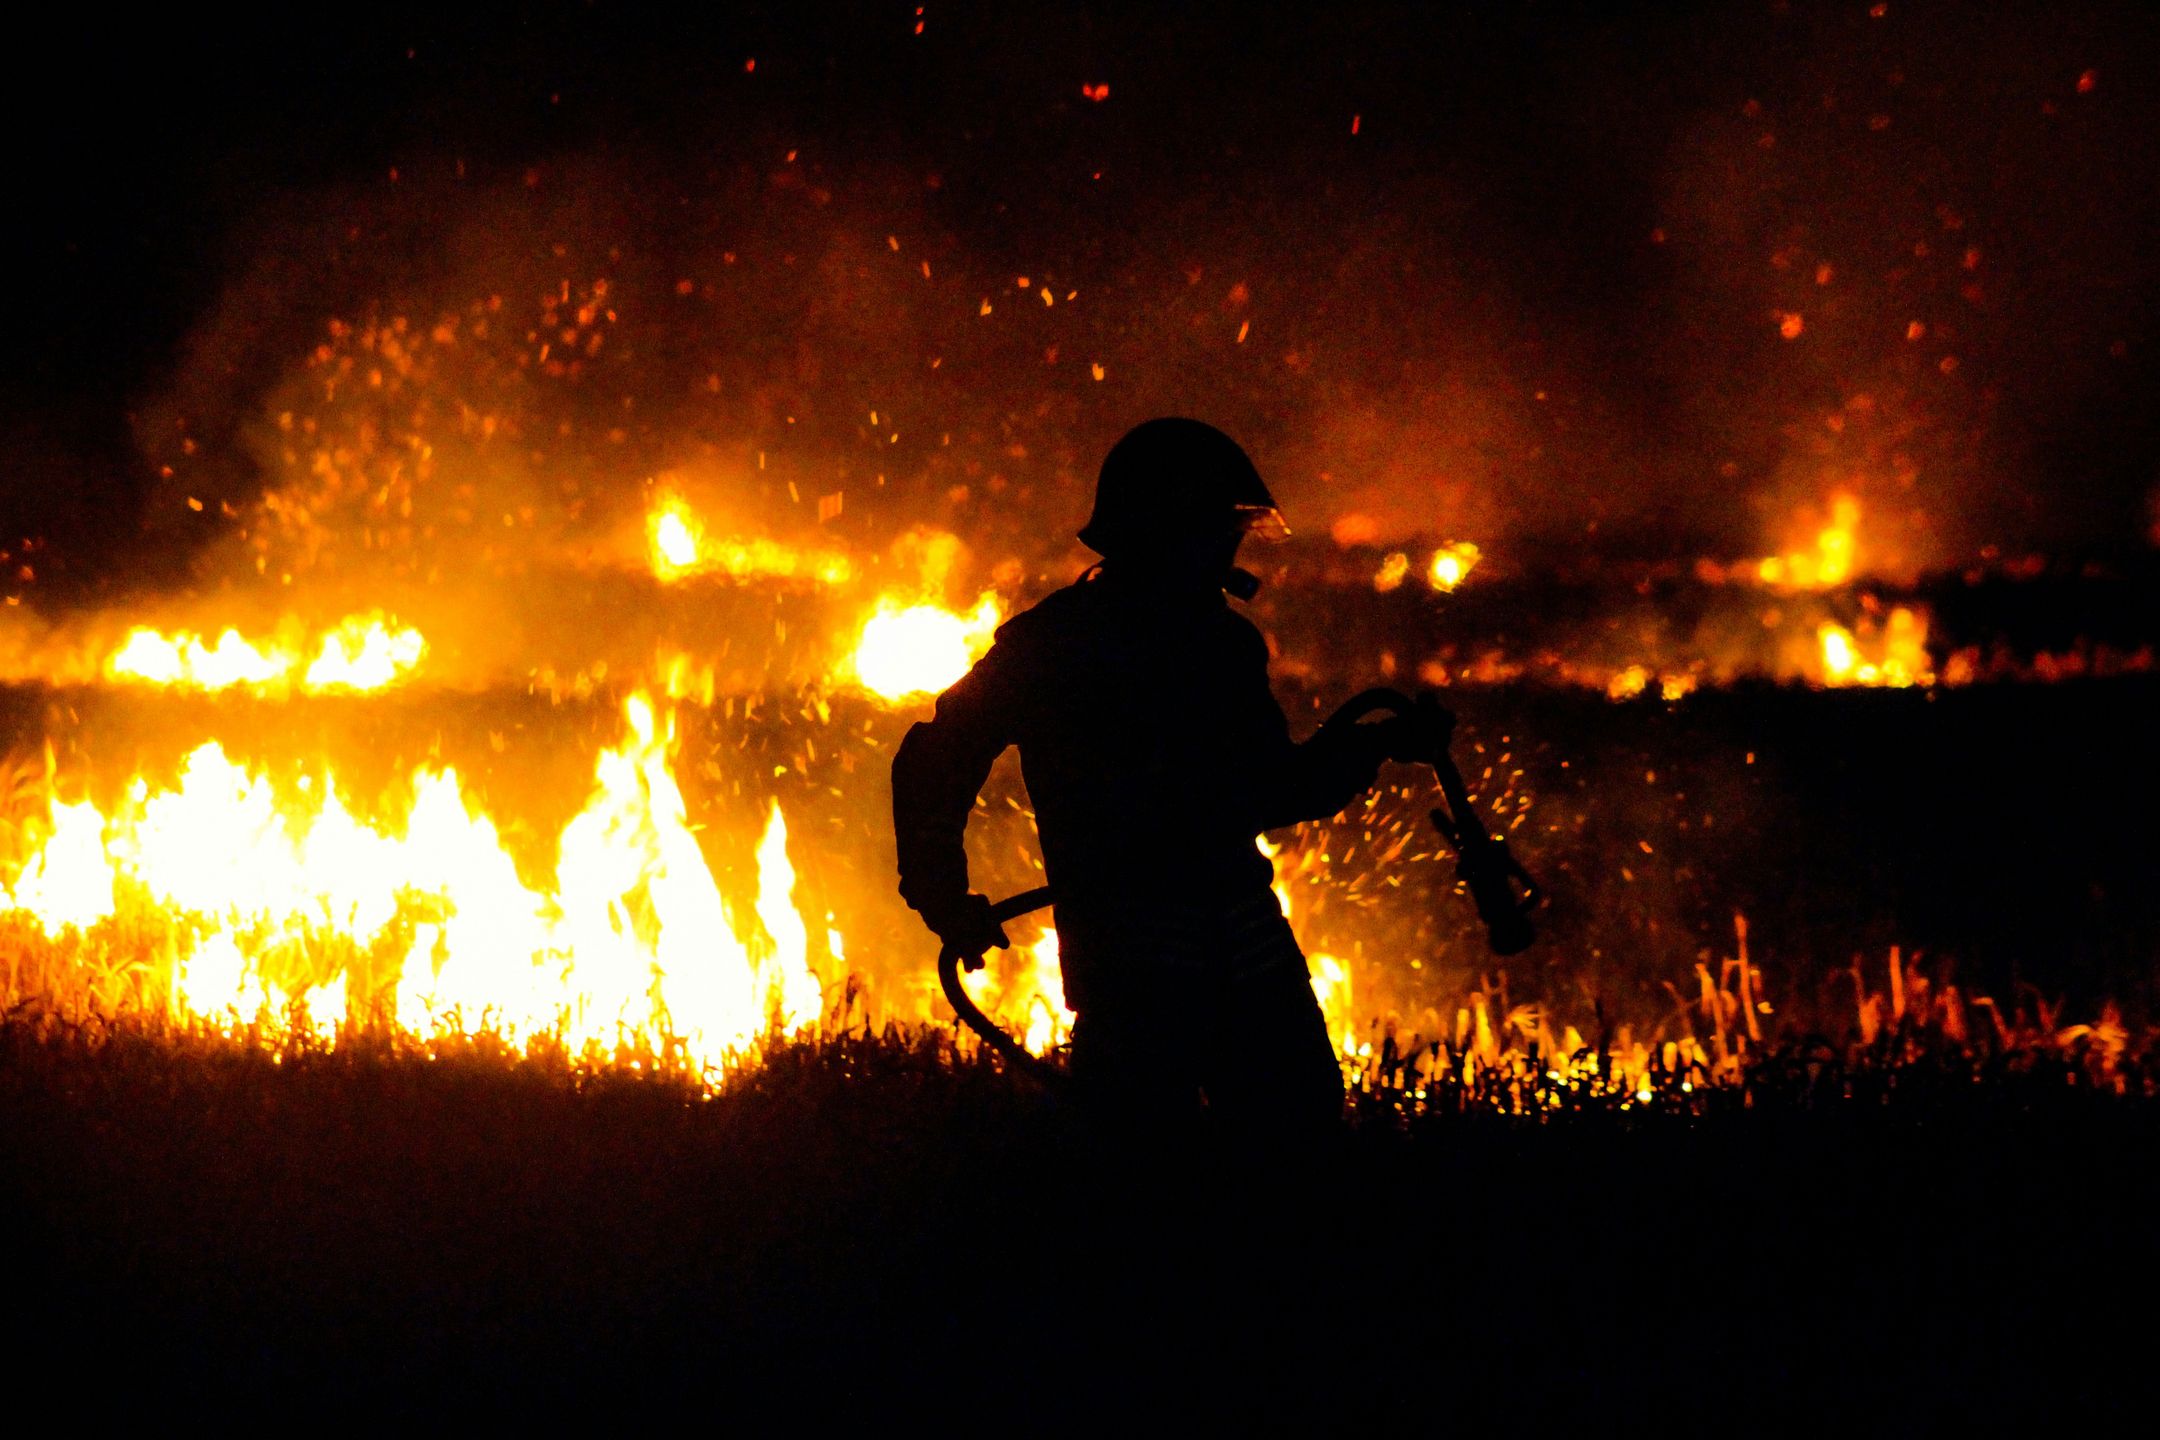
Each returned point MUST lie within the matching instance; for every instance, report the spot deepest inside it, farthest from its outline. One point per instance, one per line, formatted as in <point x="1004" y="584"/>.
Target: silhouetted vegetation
<point x="880" y="1224"/>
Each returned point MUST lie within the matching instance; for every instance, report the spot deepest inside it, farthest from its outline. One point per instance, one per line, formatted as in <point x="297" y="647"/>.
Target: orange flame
<point x="679" y="546"/>
<point x="1831" y="561"/>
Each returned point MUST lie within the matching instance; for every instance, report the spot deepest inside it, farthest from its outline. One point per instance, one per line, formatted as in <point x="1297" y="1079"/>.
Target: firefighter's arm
<point x="1320" y="776"/>
<point x="941" y="766"/>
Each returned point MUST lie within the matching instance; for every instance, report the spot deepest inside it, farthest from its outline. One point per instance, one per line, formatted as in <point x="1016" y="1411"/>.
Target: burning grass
<point x="1909" y="1043"/>
<point x="1907" y="1047"/>
<point x="561" y="871"/>
<point x="230" y="896"/>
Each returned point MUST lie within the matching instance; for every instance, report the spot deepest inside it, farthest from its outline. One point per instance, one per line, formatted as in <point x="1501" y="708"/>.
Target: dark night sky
<point x="1552" y="258"/>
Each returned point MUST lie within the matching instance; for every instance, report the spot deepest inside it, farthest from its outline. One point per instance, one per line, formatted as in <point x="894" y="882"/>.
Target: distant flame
<point x="1832" y="560"/>
<point x="674" y="543"/>
<point x="362" y="652"/>
<point x="1895" y="656"/>
<point x="1451" y="564"/>
<point x="1839" y="658"/>
<point x="1446" y="570"/>
<point x="679" y="546"/>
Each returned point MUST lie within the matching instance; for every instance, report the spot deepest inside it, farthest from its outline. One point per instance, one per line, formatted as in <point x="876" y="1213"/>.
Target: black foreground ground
<point x="869" y="1232"/>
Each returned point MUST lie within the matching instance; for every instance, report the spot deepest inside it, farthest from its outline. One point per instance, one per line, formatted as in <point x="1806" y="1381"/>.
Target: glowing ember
<point x="913" y="650"/>
<point x="363" y="652"/>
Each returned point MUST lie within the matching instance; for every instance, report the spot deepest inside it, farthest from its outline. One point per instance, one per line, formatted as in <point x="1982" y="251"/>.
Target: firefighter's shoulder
<point x="1050" y="621"/>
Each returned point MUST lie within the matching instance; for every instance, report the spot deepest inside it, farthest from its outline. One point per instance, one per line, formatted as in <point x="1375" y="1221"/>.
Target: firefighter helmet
<point x="1170" y="479"/>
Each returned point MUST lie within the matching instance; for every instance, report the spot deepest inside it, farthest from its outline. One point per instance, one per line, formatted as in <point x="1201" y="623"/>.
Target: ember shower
<point x="545" y="506"/>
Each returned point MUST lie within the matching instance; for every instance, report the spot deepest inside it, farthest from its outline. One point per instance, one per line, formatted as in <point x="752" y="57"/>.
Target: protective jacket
<point x="1154" y="753"/>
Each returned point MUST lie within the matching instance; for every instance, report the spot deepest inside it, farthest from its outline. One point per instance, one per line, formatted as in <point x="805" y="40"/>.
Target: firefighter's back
<point x="1145" y="724"/>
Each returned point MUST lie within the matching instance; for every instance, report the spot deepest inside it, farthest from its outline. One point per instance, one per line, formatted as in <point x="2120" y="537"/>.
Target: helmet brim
<point x="1264" y="521"/>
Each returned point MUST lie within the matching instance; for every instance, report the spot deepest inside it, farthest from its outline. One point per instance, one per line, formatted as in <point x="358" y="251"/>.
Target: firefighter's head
<point x="1179" y="495"/>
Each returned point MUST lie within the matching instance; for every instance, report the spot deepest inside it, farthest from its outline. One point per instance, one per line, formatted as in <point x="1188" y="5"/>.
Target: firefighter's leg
<point x="1133" y="1069"/>
<point x="1136" y="1051"/>
<point x="1270" y="1069"/>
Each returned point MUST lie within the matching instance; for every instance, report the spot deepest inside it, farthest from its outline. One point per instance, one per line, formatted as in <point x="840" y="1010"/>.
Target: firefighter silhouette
<point x="1154" y="753"/>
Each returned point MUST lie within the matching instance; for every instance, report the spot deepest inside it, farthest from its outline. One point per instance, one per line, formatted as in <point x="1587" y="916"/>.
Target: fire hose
<point x="996" y="1036"/>
<point x="1502" y="890"/>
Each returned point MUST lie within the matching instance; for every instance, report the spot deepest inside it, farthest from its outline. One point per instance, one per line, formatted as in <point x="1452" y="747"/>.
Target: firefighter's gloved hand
<point x="1369" y="741"/>
<point x="968" y="927"/>
<point x="1405" y="739"/>
<point x="1400" y="738"/>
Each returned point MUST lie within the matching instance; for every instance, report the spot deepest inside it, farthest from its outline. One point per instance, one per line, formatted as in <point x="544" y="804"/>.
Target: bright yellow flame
<point x="1024" y="991"/>
<point x="1281" y="883"/>
<point x="674" y="543"/>
<point x="361" y="652"/>
<point x="796" y="998"/>
<point x="1452" y="564"/>
<point x="1330" y="977"/>
<point x="280" y="894"/>
<point x="184" y="660"/>
<point x="908" y="651"/>
<point x="1331" y="987"/>
<point x="67" y="883"/>
<point x="1840" y="660"/>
